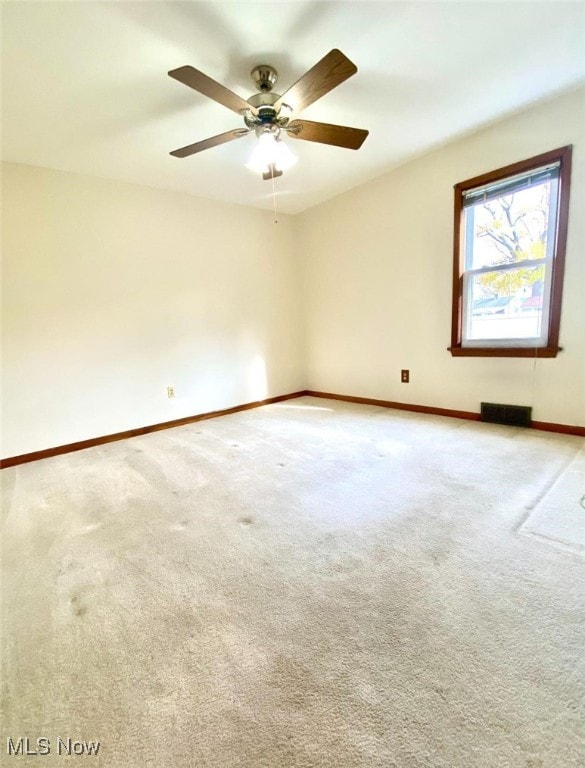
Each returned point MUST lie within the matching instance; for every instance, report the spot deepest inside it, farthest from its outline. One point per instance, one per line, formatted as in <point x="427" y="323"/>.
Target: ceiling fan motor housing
<point x="264" y="77"/>
<point x="265" y="114"/>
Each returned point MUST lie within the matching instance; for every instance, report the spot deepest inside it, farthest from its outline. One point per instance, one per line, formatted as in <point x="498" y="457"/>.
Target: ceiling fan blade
<point x="326" y="75"/>
<point x="324" y="133"/>
<point x="211" y="88"/>
<point x="213" y="141"/>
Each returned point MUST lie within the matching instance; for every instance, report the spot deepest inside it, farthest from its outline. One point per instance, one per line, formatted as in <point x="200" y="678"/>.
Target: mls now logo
<point x="42" y="746"/>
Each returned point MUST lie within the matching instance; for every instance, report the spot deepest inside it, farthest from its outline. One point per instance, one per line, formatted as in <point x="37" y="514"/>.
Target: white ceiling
<point x="85" y="85"/>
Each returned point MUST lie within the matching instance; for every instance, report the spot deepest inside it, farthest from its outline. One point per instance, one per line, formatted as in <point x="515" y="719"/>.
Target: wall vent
<point x="513" y="415"/>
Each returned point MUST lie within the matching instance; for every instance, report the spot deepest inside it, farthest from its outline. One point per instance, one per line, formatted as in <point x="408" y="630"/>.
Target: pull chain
<point x="274" y="196"/>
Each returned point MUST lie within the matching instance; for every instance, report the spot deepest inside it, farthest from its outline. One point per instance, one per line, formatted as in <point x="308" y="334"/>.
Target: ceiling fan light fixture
<point x="270" y="151"/>
<point x="268" y="114"/>
<point x="285" y="158"/>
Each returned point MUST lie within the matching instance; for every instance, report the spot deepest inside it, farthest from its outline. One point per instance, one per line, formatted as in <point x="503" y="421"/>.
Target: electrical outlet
<point x="405" y="375"/>
<point x="170" y="391"/>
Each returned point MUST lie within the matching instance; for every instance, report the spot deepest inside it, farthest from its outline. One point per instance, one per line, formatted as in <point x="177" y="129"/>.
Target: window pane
<point x="509" y="228"/>
<point x="506" y="304"/>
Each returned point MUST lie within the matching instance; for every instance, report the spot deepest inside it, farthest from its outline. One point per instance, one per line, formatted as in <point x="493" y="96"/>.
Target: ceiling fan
<point x="269" y="115"/>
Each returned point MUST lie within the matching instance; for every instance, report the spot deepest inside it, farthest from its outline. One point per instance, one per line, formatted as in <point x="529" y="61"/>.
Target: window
<point x="509" y="254"/>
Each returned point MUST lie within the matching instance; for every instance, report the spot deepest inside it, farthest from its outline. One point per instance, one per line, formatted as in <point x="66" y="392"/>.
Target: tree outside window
<point x="509" y="254"/>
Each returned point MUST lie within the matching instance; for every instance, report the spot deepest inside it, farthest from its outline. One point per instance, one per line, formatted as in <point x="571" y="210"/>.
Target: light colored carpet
<point x="559" y="517"/>
<point x="310" y="584"/>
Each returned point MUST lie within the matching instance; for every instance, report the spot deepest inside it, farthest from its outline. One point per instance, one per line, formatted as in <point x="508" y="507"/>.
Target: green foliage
<point x="508" y="283"/>
<point x="515" y="233"/>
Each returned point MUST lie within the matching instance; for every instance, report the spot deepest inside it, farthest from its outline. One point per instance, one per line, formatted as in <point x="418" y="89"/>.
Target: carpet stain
<point x="440" y="692"/>
<point x="246" y="521"/>
<point x="66" y="565"/>
<point x="77" y="606"/>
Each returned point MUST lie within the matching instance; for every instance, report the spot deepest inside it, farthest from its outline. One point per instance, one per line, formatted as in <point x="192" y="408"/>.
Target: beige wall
<point x="112" y="292"/>
<point x="377" y="265"/>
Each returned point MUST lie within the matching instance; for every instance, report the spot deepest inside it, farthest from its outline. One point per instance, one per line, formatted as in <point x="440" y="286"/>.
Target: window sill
<point x="504" y="351"/>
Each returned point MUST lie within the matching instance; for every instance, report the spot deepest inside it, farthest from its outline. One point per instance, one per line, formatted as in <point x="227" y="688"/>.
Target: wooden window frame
<point x="562" y="155"/>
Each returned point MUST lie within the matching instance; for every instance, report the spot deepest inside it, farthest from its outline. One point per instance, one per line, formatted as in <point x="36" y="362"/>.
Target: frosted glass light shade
<point x="268" y="151"/>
